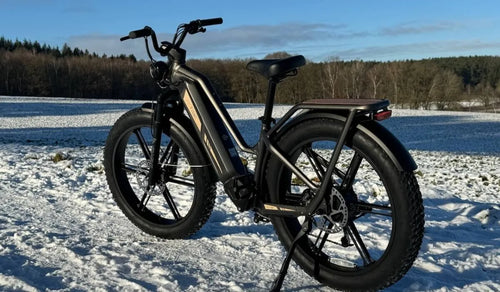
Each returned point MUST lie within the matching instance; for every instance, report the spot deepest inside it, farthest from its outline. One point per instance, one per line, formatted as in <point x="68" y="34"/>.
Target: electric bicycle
<point x="338" y="188"/>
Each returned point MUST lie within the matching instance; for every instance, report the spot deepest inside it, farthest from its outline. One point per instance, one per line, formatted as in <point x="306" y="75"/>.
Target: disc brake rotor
<point x="142" y="176"/>
<point x="337" y="213"/>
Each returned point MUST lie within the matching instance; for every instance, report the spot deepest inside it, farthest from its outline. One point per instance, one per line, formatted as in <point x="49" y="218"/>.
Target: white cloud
<point x="316" y="41"/>
<point x="231" y="42"/>
<point x="417" y="28"/>
<point x="421" y="50"/>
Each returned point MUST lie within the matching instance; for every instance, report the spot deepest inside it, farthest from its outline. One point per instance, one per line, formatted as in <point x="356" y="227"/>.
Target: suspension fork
<point x="157" y="129"/>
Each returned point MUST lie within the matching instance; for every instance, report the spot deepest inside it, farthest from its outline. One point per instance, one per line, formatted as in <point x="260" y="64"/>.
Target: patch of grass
<point x="60" y="156"/>
<point x="297" y="181"/>
<point x="244" y="161"/>
<point x="186" y="172"/>
<point x="99" y="168"/>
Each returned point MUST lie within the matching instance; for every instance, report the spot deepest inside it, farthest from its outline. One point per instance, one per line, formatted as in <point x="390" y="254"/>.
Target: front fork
<point x="158" y="123"/>
<point x="157" y="129"/>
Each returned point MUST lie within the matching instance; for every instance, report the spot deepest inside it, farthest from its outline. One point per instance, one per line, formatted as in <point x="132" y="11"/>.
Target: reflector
<point x="383" y="115"/>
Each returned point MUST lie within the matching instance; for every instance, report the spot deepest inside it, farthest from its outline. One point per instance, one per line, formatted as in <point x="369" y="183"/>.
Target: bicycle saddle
<point x="270" y="68"/>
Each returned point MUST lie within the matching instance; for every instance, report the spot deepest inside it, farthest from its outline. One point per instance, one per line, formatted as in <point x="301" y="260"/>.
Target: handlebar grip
<point x="210" y="21"/>
<point x="145" y="32"/>
<point x="124" y="38"/>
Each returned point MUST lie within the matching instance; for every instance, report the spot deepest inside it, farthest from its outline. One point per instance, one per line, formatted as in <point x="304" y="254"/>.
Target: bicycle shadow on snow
<point x="53" y="109"/>
<point x="20" y="267"/>
<point x="457" y="234"/>
<point x="61" y="137"/>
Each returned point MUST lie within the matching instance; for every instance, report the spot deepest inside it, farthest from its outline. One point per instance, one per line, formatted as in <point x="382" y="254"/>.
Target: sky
<point x="321" y="30"/>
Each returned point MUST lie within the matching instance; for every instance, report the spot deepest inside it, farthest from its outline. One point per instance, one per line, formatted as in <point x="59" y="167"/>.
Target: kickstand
<point x="278" y="282"/>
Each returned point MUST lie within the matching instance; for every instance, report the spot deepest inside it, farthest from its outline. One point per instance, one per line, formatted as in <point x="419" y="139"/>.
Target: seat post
<point x="268" y="110"/>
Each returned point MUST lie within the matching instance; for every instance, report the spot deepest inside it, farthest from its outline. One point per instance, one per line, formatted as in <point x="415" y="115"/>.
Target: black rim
<point x="170" y="199"/>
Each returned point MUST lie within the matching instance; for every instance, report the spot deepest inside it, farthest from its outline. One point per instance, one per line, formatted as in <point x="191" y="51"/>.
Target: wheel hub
<point x="142" y="176"/>
<point x="336" y="215"/>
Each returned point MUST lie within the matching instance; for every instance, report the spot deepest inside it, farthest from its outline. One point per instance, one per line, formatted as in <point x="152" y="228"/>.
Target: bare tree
<point x="374" y="74"/>
<point x="354" y="76"/>
<point x="332" y="72"/>
<point x="394" y="70"/>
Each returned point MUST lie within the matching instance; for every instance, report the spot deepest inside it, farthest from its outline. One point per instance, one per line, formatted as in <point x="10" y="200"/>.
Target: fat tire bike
<point x="338" y="187"/>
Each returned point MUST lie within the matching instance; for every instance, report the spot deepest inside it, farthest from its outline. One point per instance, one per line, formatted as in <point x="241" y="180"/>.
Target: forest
<point x="31" y="69"/>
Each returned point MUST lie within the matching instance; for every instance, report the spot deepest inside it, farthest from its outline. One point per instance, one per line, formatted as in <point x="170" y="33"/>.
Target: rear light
<point x="383" y="115"/>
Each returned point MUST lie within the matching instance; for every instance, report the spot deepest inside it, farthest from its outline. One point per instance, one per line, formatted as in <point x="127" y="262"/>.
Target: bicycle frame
<point x="214" y="126"/>
<point x="208" y="128"/>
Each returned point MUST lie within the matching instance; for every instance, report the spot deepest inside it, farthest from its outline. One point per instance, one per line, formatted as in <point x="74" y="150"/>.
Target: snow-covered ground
<point x="61" y="230"/>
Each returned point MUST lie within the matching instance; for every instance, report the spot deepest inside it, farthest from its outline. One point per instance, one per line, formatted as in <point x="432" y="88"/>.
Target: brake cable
<point x="147" y="50"/>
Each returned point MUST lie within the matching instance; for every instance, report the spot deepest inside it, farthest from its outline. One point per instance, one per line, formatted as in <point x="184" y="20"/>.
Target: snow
<point x="61" y="230"/>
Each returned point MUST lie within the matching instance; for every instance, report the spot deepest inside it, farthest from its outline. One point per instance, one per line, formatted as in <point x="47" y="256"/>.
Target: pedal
<point x="258" y="218"/>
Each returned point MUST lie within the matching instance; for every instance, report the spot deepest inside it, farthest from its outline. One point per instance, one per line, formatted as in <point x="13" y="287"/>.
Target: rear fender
<point x="385" y="139"/>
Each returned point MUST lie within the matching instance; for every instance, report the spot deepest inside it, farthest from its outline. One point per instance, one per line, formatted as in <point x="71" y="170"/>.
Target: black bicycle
<point x="337" y="186"/>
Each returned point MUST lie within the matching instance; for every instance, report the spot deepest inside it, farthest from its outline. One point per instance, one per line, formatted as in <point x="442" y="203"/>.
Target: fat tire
<point x="123" y="195"/>
<point x="405" y="196"/>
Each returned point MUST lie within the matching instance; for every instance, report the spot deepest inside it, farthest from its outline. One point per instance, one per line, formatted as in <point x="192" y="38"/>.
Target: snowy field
<point x="60" y="229"/>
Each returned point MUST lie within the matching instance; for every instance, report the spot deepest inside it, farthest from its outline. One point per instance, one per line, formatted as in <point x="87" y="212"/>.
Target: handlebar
<point x="145" y="32"/>
<point x="193" y="27"/>
<point x="210" y="21"/>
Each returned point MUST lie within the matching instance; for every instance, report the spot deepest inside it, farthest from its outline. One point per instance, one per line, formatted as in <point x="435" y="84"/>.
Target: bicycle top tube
<point x="186" y="72"/>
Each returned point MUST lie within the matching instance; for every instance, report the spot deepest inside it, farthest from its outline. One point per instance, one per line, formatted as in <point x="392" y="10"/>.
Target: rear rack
<point x="356" y="106"/>
<point x="362" y="105"/>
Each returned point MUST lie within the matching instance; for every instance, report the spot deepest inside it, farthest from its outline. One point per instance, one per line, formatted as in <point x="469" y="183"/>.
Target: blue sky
<point x="368" y="30"/>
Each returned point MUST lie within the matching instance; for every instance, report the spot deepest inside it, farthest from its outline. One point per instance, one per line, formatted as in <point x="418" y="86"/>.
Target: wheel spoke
<point x="171" y="204"/>
<point x="181" y="181"/>
<point x="144" y="200"/>
<point x="358" y="242"/>
<point x="166" y="153"/>
<point x="322" y="163"/>
<point x="348" y="179"/>
<point x="324" y="238"/>
<point x="143" y="144"/>
<point x="367" y="208"/>
<point x="134" y="168"/>
<point x="130" y="168"/>
<point x="316" y="161"/>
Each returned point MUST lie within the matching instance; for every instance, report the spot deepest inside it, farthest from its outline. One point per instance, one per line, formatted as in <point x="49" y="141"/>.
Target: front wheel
<point x="182" y="197"/>
<point x="369" y="228"/>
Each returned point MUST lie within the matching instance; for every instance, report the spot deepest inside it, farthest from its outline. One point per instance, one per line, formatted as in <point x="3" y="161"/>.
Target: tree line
<point x="28" y="68"/>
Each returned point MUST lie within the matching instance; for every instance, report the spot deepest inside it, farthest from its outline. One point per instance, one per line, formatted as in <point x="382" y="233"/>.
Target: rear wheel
<point x="181" y="200"/>
<point x="368" y="231"/>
